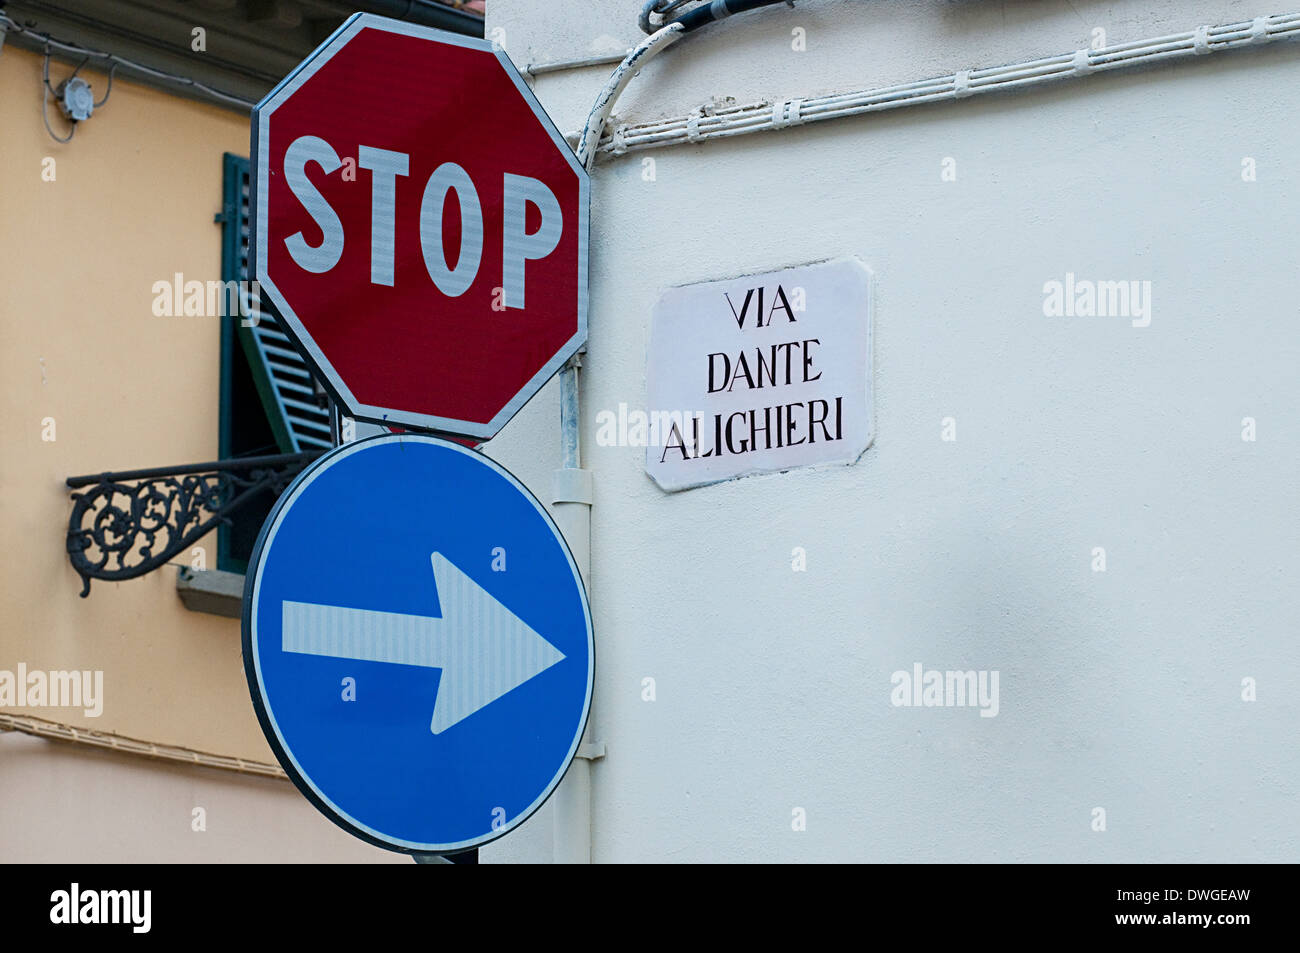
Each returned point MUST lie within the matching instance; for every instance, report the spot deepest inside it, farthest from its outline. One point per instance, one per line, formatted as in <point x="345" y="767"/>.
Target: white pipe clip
<point x="1201" y="41"/>
<point x="961" y="84"/>
<point x="1082" y="63"/>
<point x="693" y="127"/>
<point x="785" y="112"/>
<point x="619" y="140"/>
<point x="1259" y="30"/>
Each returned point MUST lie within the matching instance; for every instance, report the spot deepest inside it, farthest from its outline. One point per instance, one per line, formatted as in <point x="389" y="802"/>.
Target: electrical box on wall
<point x="75" y="99"/>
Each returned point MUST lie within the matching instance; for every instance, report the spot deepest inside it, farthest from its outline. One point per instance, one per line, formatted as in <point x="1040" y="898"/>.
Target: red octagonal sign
<point x="421" y="226"/>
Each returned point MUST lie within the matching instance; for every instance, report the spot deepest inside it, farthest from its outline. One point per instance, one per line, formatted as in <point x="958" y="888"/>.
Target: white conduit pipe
<point x="572" y="491"/>
<point x="58" y="731"/>
<point x="651" y="46"/>
<point x="722" y="122"/>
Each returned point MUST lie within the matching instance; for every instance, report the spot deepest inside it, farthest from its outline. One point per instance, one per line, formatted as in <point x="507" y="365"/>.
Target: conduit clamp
<point x="693" y="127"/>
<point x="785" y="112"/>
<point x="571" y="485"/>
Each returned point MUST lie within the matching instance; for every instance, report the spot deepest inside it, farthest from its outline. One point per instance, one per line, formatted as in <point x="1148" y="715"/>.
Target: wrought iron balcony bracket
<point x="126" y="524"/>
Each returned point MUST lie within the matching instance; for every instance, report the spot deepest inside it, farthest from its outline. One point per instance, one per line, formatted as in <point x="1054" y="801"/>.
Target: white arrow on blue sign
<point x="418" y="643"/>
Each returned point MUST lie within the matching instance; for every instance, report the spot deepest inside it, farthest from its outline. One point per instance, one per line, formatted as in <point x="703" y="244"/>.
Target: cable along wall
<point x="723" y="121"/>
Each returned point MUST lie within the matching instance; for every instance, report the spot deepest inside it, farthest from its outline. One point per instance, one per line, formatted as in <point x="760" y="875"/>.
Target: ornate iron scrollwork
<point x="130" y="523"/>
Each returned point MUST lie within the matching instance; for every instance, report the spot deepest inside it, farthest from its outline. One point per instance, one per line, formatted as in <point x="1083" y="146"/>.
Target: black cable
<point x="710" y="12"/>
<point x="108" y="92"/>
<point x="45" y="103"/>
<point x="661" y="7"/>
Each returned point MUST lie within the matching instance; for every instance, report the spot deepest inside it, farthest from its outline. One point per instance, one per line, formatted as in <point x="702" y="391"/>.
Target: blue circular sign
<point x="417" y="643"/>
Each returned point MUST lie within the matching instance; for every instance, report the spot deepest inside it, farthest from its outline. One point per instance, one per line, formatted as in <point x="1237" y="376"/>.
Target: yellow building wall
<point x="131" y="203"/>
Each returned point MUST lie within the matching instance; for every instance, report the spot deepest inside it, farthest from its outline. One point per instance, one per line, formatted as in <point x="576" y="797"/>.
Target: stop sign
<point x="421" y="225"/>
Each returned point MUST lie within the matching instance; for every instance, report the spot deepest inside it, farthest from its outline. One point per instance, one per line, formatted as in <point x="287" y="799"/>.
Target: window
<point x="270" y="403"/>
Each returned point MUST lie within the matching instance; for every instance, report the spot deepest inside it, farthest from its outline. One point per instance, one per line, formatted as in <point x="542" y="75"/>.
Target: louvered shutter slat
<point x="282" y="376"/>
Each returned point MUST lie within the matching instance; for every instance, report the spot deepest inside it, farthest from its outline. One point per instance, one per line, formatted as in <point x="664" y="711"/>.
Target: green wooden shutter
<point x="283" y="380"/>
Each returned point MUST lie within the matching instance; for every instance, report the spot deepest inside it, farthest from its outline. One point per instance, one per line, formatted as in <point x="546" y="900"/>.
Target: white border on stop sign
<point x="293" y="324"/>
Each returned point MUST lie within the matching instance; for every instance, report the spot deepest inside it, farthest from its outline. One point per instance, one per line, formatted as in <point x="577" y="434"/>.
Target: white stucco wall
<point x="1120" y="690"/>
